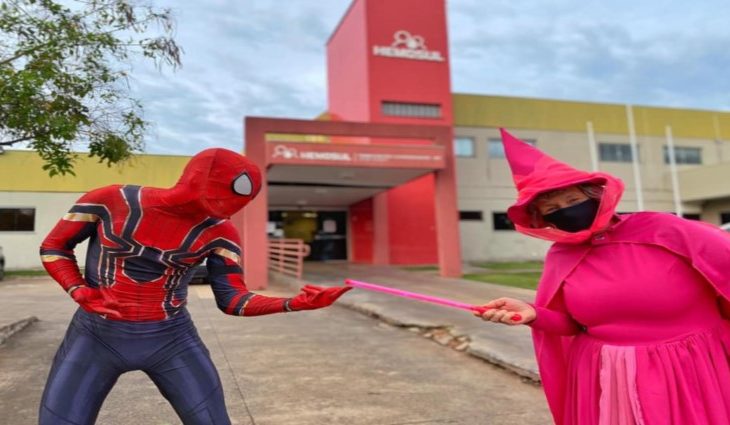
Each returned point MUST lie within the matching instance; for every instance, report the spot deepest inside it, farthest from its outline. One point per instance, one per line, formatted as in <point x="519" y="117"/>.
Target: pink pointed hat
<point x="534" y="173"/>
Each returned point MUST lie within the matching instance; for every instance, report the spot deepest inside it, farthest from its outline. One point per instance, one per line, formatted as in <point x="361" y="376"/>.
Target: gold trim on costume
<point x="242" y="310"/>
<point x="228" y="254"/>
<point x="73" y="288"/>
<point x="52" y="258"/>
<point x="81" y="217"/>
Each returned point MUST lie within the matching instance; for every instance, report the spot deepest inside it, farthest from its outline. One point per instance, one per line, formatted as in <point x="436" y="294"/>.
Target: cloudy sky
<point x="267" y="58"/>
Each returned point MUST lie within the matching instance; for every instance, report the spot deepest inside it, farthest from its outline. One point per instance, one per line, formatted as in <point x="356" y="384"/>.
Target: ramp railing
<point x="286" y="256"/>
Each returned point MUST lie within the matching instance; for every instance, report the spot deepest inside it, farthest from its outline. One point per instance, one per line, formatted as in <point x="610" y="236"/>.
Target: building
<point x="400" y="170"/>
<point x="561" y="129"/>
<point x="31" y="202"/>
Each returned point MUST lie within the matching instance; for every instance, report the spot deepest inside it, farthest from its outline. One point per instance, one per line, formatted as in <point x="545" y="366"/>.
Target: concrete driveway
<point x="331" y="366"/>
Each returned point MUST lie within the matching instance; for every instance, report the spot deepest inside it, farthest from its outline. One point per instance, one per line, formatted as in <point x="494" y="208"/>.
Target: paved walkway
<point x="506" y="346"/>
<point x="321" y="367"/>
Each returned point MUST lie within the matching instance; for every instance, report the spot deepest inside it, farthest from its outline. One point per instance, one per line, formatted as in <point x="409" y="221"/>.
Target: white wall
<point x="485" y="184"/>
<point x="711" y="210"/>
<point x="21" y="248"/>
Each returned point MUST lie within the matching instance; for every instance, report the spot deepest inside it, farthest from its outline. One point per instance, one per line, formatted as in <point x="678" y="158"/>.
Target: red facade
<point x="386" y="53"/>
<point x="390" y="106"/>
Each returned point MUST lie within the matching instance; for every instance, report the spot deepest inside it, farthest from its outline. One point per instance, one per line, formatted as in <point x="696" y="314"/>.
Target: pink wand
<point x="421" y="297"/>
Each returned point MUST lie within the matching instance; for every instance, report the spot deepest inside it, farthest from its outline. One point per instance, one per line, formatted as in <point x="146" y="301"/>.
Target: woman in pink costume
<point x="629" y="321"/>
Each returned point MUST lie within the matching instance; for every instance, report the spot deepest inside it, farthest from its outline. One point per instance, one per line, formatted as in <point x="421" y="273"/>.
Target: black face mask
<point x="575" y="217"/>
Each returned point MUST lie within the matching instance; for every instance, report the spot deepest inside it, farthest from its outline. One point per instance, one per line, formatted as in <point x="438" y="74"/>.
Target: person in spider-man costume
<point x="143" y="244"/>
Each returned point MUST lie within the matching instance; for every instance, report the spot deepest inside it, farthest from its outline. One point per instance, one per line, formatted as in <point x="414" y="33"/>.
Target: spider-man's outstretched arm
<point x="232" y="296"/>
<point x="57" y="254"/>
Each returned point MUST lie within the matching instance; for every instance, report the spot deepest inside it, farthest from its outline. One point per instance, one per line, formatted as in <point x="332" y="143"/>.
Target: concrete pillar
<point x="447" y="212"/>
<point x="255" y="214"/>
<point x="381" y="235"/>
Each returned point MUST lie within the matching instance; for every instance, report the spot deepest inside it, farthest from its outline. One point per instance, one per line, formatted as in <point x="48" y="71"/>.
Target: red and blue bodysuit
<point x="143" y="245"/>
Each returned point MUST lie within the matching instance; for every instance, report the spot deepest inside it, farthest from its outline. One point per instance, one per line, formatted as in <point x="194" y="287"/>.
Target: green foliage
<point x="63" y="76"/>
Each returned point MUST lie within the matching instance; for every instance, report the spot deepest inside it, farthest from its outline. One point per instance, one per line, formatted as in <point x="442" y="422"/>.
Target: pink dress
<point x="651" y="347"/>
<point x="628" y="328"/>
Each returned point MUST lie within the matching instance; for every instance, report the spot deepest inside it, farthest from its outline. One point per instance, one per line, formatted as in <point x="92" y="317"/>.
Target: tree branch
<point x="19" y="54"/>
<point x="12" y="142"/>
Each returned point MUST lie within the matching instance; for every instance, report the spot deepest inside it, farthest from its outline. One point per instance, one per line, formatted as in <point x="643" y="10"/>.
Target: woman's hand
<point x="506" y="310"/>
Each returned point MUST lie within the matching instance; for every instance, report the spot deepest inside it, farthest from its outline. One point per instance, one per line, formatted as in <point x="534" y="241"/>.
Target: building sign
<point x="387" y="156"/>
<point x="285" y="152"/>
<point x="408" y="46"/>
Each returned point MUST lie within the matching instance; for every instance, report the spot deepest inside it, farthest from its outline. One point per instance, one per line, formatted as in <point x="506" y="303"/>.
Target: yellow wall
<point x="557" y="115"/>
<point x="20" y="171"/>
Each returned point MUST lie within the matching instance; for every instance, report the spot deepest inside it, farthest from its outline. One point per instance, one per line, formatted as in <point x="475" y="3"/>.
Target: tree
<point x="64" y="76"/>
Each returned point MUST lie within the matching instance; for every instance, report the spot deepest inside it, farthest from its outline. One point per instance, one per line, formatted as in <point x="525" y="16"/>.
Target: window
<point x="464" y="146"/>
<point x="615" y="152"/>
<point x="725" y="217"/>
<point x="470" y="215"/>
<point x="17" y="219"/>
<point x="684" y="155"/>
<point x="691" y="216"/>
<point x="415" y="110"/>
<point x="496" y="148"/>
<point x="501" y="222"/>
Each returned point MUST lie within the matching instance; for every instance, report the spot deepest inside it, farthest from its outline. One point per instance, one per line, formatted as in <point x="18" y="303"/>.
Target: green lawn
<point x="511" y="265"/>
<point x="527" y="280"/>
<point x="426" y="268"/>
<point x="20" y="273"/>
<point x="518" y="274"/>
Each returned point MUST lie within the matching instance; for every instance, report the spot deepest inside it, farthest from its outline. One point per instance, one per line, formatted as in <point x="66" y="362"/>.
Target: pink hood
<point x="534" y="172"/>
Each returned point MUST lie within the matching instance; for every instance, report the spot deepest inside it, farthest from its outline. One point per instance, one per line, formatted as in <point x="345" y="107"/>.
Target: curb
<point x="478" y="349"/>
<point x="442" y="334"/>
<point x="8" y="331"/>
<point x="481" y="350"/>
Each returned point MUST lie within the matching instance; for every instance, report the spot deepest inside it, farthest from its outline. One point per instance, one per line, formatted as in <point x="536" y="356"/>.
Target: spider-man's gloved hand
<point x="314" y="297"/>
<point x="94" y="300"/>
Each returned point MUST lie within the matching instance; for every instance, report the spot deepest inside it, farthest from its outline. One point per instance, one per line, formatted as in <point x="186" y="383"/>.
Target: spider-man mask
<point x="221" y="181"/>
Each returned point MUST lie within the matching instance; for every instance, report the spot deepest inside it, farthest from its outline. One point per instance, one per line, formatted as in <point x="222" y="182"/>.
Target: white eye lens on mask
<point x="243" y="185"/>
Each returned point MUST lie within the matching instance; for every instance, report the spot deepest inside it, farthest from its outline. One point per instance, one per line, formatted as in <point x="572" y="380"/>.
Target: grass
<point x="511" y="265"/>
<point x="517" y="274"/>
<point x="22" y="273"/>
<point x="527" y="280"/>
<point x="428" y="268"/>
